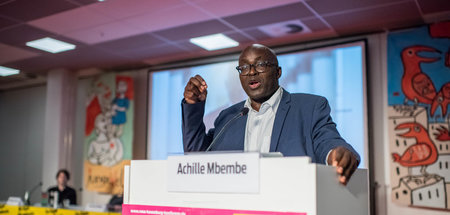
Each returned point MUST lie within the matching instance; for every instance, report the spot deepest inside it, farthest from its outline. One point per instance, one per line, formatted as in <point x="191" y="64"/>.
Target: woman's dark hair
<point x="63" y="171"/>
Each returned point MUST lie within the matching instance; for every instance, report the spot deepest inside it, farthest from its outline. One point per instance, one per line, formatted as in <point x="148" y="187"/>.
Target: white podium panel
<point x="287" y="184"/>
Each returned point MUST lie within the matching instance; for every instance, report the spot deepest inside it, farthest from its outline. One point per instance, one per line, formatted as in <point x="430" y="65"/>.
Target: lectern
<point x="193" y="184"/>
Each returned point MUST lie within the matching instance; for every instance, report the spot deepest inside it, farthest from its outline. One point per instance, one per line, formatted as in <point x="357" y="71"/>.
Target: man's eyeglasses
<point x="260" y="67"/>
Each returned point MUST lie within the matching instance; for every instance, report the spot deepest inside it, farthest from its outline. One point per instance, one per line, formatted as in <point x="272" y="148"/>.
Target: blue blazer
<point x="302" y="127"/>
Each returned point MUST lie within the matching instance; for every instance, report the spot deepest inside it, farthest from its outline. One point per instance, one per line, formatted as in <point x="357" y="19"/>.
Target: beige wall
<point x="22" y="114"/>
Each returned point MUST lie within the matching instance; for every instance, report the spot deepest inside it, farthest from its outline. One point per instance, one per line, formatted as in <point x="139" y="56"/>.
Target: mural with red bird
<point x="416" y="85"/>
<point x="422" y="153"/>
<point x="418" y="116"/>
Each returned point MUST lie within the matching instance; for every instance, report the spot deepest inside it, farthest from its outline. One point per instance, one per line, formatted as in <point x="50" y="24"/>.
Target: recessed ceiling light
<point x="285" y="28"/>
<point x="5" y="71"/>
<point x="50" y="45"/>
<point x="214" y="42"/>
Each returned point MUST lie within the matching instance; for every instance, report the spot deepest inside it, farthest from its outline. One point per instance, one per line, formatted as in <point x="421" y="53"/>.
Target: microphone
<point x="243" y="112"/>
<point x="27" y="194"/>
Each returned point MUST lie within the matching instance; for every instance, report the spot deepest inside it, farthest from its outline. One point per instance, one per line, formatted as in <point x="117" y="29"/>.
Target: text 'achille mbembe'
<point x="211" y="168"/>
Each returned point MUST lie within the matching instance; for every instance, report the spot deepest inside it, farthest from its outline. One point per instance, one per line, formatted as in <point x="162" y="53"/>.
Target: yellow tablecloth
<point x="30" y="210"/>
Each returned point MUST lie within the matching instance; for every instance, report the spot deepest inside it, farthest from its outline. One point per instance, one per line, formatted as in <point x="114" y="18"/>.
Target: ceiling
<point x="118" y="34"/>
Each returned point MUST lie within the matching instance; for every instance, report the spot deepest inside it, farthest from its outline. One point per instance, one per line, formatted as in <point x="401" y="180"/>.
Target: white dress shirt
<point x="258" y="131"/>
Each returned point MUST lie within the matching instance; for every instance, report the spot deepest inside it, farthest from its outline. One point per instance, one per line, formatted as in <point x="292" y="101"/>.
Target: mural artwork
<point x="108" y="133"/>
<point x="419" y="118"/>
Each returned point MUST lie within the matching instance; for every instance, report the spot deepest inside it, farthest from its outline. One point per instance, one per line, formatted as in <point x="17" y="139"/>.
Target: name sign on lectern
<point x="214" y="173"/>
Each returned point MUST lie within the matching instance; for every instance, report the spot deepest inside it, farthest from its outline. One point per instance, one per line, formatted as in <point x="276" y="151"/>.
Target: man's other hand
<point x="195" y="90"/>
<point x="345" y="162"/>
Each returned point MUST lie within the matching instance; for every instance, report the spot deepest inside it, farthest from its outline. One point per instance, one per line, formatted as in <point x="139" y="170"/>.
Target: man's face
<point x="62" y="179"/>
<point x="259" y="86"/>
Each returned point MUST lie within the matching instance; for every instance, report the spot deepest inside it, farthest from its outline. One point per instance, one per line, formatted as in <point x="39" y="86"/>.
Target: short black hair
<point x="65" y="172"/>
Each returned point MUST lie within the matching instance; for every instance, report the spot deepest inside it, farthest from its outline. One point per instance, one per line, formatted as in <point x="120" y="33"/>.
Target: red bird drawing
<point x="416" y="85"/>
<point x="423" y="153"/>
<point x="443" y="134"/>
<point x="442" y="99"/>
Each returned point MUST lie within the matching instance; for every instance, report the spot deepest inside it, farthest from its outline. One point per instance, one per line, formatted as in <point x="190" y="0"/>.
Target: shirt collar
<point x="272" y="102"/>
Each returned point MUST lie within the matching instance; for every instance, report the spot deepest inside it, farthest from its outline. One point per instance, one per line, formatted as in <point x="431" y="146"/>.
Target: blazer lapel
<point x="234" y="135"/>
<point x="280" y="116"/>
<point x="240" y="132"/>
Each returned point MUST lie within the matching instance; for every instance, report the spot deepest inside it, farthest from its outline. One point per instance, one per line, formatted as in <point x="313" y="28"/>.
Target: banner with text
<point x="108" y="132"/>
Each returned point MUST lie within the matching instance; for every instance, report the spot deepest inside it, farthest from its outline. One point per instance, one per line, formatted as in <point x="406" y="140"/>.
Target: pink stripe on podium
<point x="128" y="209"/>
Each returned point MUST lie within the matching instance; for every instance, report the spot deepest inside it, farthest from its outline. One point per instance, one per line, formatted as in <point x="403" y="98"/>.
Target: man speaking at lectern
<point x="270" y="120"/>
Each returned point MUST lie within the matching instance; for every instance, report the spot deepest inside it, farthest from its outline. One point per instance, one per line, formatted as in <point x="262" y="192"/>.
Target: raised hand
<point x="195" y="90"/>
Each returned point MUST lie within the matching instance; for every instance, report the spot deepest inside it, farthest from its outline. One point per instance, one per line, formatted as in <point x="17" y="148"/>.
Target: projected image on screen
<point x="333" y="72"/>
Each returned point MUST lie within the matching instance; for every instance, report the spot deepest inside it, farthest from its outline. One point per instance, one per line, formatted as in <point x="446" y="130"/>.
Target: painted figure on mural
<point x="103" y="150"/>
<point x="421" y="154"/>
<point x="119" y="108"/>
<point x="416" y="85"/>
<point x="442" y="100"/>
<point x="110" y="116"/>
